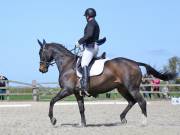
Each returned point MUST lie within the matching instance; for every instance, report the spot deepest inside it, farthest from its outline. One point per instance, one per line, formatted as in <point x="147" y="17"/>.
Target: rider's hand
<point x="77" y="44"/>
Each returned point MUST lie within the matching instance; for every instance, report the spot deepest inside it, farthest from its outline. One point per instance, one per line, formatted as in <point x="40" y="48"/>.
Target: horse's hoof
<point x="53" y="121"/>
<point x="144" y="121"/>
<point x="81" y="125"/>
<point x="123" y="121"/>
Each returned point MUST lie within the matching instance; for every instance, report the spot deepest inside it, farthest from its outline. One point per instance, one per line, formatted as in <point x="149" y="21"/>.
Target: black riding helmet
<point x="91" y="12"/>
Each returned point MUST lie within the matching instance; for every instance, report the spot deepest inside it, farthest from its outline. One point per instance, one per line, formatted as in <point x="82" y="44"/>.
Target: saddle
<point x="96" y="66"/>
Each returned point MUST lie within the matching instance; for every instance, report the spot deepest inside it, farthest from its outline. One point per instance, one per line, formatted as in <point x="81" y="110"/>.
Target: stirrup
<point x="84" y="93"/>
<point x="80" y="93"/>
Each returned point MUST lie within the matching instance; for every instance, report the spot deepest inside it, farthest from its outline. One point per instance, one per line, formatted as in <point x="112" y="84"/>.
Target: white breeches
<point x="88" y="54"/>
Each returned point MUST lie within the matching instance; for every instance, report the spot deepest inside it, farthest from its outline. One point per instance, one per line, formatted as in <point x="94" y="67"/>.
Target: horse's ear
<point x="44" y="42"/>
<point x="40" y="43"/>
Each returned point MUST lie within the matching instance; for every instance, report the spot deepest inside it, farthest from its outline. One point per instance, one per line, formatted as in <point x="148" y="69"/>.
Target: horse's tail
<point x="163" y="76"/>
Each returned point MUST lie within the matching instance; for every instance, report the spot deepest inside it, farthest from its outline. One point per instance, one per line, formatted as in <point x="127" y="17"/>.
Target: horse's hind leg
<point x="130" y="101"/>
<point x="59" y="96"/>
<point x="142" y="103"/>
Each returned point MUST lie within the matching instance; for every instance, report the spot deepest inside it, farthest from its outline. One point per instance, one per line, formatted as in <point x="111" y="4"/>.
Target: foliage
<point x="20" y="90"/>
<point x="177" y="81"/>
<point x="173" y="64"/>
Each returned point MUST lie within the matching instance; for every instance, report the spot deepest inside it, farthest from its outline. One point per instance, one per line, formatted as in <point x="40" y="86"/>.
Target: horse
<point x="119" y="73"/>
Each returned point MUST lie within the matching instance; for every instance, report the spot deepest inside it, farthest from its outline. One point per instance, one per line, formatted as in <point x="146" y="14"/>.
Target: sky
<point x="141" y="30"/>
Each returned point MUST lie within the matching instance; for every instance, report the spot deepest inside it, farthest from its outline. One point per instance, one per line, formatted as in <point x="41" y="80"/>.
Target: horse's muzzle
<point x="43" y="69"/>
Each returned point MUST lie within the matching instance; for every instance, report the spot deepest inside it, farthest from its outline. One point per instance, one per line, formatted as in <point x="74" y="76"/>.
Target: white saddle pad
<point x="96" y="69"/>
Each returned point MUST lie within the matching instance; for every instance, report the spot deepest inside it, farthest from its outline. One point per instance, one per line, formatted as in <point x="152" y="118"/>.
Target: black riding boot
<point x="85" y="81"/>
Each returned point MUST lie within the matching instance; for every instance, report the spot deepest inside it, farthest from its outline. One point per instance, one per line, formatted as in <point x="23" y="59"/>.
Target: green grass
<point x="20" y="97"/>
<point x="49" y="97"/>
<point x="48" y="94"/>
<point x="175" y="95"/>
<point x="72" y="97"/>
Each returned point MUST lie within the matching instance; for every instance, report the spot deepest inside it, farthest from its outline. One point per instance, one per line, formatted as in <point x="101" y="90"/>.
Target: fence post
<point x="35" y="91"/>
<point x="7" y="92"/>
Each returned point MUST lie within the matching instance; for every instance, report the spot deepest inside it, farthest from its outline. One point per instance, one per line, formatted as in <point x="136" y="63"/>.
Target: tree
<point x="173" y="64"/>
<point x="178" y="64"/>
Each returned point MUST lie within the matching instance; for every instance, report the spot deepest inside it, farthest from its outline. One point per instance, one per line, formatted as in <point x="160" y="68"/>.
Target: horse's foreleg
<point x="80" y="101"/>
<point x="58" y="97"/>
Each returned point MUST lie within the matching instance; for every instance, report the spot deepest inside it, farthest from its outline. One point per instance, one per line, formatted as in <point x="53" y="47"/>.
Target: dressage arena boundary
<point x="42" y="88"/>
<point x="66" y="103"/>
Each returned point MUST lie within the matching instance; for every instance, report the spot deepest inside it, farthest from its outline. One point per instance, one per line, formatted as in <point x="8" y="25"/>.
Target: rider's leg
<point x="85" y="80"/>
<point x="86" y="59"/>
<point x="87" y="56"/>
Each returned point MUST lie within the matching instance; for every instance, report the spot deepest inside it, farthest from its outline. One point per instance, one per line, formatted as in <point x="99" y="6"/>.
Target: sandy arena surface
<point x="32" y="119"/>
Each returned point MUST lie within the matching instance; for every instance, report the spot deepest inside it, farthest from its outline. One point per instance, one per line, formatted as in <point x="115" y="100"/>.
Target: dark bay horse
<point x="120" y="73"/>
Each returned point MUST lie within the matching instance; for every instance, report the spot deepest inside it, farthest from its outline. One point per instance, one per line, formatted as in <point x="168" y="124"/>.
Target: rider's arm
<point x="88" y="34"/>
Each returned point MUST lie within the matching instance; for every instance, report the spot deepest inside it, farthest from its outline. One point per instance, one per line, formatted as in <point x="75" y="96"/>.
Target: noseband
<point x="48" y="63"/>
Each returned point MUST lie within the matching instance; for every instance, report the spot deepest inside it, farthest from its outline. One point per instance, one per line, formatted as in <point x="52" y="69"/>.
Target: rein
<point x="76" y="51"/>
<point x="73" y="49"/>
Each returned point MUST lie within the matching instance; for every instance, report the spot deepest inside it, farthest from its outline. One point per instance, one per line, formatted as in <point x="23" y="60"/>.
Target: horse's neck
<point x="64" y="62"/>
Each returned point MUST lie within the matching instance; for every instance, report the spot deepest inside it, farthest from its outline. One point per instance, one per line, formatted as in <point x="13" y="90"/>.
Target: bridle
<point x="47" y="64"/>
<point x="76" y="51"/>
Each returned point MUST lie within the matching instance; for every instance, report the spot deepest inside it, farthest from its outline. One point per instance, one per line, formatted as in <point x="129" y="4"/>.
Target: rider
<point x="91" y="35"/>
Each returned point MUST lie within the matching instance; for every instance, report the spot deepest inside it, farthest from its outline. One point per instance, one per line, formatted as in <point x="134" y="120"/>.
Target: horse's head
<point x="45" y="57"/>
